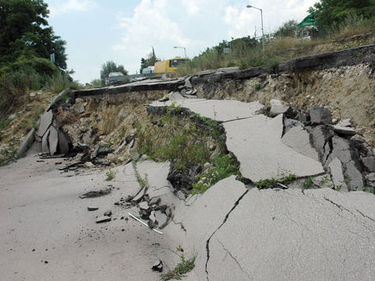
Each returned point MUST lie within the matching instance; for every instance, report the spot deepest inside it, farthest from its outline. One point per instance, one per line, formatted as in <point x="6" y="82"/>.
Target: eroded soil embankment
<point x="347" y="91"/>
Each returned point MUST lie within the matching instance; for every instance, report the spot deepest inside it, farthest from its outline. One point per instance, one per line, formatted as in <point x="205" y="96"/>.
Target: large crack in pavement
<point x="224" y="221"/>
<point x="235" y="260"/>
<point x="369" y="227"/>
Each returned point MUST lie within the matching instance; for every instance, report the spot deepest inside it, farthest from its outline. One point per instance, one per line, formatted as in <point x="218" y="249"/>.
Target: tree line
<point x="26" y="45"/>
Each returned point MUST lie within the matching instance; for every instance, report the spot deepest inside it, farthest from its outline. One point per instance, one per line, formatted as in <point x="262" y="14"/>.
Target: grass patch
<point x="273" y="182"/>
<point x="57" y="83"/>
<point x="223" y="166"/>
<point x="188" y="142"/>
<point x="4" y="123"/>
<point x="143" y="182"/>
<point x="370" y="189"/>
<point x="175" y="140"/>
<point x="180" y="270"/>
<point x="110" y="175"/>
<point x="8" y="155"/>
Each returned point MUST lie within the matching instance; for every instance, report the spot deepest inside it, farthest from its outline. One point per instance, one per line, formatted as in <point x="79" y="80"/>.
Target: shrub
<point x="57" y="83"/>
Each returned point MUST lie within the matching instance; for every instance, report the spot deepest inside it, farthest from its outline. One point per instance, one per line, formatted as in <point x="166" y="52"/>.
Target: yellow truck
<point x="168" y="66"/>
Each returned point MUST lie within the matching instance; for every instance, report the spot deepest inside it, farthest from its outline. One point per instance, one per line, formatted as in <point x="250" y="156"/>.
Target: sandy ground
<point x="47" y="233"/>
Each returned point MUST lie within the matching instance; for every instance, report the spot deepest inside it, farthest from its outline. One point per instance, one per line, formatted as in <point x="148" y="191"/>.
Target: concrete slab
<point x="287" y="235"/>
<point x="204" y="217"/>
<point x="298" y="139"/>
<point x="45" y="144"/>
<point x="320" y="136"/>
<point x="257" y="144"/>
<point x="63" y="142"/>
<point x="27" y="143"/>
<point x="53" y="140"/>
<point x="344" y="130"/>
<point x="320" y="115"/>
<point x="337" y="174"/>
<point x="219" y="110"/>
<point x="45" y="121"/>
<point x="369" y="163"/>
<point x="354" y="177"/>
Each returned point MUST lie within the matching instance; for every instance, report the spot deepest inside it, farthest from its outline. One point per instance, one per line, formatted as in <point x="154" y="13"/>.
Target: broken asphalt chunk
<point x="103" y="219"/>
<point x="369" y="163"/>
<point x="320" y="115"/>
<point x="158" y="266"/>
<point x="108" y="213"/>
<point x="93" y="194"/>
<point x="162" y="219"/>
<point x="53" y="140"/>
<point x="45" y="122"/>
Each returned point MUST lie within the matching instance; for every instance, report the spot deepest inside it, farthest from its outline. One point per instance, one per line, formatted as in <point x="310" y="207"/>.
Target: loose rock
<point x="103" y="219"/>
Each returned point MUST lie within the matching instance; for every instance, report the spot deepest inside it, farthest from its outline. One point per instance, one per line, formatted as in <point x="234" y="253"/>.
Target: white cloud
<point x="152" y="24"/>
<point x="238" y="21"/>
<point x="59" y="7"/>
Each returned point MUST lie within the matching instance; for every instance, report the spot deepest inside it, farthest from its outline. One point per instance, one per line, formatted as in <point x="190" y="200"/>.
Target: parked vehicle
<point x="168" y="66"/>
<point x="115" y="78"/>
<point x="148" y="70"/>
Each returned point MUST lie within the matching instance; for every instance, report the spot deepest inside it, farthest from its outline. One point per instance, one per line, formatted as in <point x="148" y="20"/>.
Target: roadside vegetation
<point x="336" y="23"/>
<point x="189" y="142"/>
<point x="32" y="69"/>
<point x="183" y="267"/>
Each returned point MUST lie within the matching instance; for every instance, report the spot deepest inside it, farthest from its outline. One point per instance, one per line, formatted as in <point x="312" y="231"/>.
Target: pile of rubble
<point x="151" y="208"/>
<point x="52" y="138"/>
<point x="342" y="150"/>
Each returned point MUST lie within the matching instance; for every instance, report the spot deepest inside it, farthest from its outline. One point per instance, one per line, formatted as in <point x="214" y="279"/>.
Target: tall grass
<point x="247" y="52"/>
<point x="57" y="83"/>
<point x="352" y="25"/>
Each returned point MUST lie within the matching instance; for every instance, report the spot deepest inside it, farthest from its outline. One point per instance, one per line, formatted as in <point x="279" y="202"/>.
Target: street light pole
<point x="261" y="17"/>
<point x="181" y="48"/>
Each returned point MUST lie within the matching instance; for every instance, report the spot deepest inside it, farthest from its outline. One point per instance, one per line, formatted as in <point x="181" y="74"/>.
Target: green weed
<point x="266" y="183"/>
<point x="273" y="182"/>
<point x="4" y="123"/>
<point x="287" y="179"/>
<point x="8" y="156"/>
<point x="187" y="142"/>
<point x="57" y="83"/>
<point x="223" y="166"/>
<point x="180" y="270"/>
<point x="308" y="183"/>
<point x="370" y="189"/>
<point x="110" y="175"/>
<point x="142" y="182"/>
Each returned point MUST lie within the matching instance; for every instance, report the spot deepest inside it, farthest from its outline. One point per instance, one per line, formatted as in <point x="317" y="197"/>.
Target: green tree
<point x="109" y="67"/>
<point x="96" y="83"/>
<point x="333" y="12"/>
<point x="290" y="29"/>
<point x="60" y="55"/>
<point x="24" y="31"/>
<point x="149" y="60"/>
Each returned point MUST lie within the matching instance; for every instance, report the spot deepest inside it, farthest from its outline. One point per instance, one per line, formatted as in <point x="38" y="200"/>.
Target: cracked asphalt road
<point x="285" y="235"/>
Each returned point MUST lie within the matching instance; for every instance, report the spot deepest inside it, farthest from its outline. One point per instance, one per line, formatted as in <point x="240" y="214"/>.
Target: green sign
<point x="310" y="20"/>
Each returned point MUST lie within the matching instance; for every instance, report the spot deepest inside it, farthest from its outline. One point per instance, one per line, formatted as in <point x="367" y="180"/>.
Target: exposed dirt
<point x="107" y="121"/>
<point x="348" y="92"/>
<point x="21" y="122"/>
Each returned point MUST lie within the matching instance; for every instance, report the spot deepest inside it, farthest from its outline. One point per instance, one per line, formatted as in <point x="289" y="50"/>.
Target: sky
<point x="124" y="31"/>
